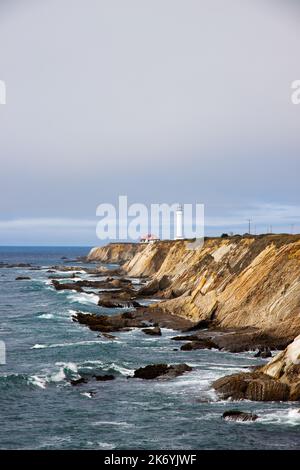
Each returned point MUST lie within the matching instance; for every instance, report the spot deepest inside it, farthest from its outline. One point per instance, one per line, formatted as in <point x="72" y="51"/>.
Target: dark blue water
<point x="45" y="349"/>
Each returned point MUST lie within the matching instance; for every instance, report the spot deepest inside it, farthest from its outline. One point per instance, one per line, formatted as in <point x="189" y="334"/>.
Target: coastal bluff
<point x="235" y="282"/>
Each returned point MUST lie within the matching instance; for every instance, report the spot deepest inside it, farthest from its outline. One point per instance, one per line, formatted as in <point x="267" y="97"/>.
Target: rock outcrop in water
<point x="235" y="415"/>
<point x="156" y="331"/>
<point x="244" y="339"/>
<point x="279" y="380"/>
<point x="141" y="318"/>
<point x="165" y="371"/>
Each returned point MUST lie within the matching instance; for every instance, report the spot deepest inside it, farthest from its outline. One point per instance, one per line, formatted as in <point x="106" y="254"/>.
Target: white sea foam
<point x="38" y="381"/>
<point x="59" y="376"/>
<point x="72" y="312"/>
<point x="62" y="272"/>
<point x="77" y="343"/>
<point x="106" y="445"/>
<point x="290" y="417"/>
<point x="122" y="370"/>
<point x="84" y="298"/>
<point x="225" y="365"/>
<point x="68" y="365"/>
<point x="66" y="370"/>
<point x="87" y="394"/>
<point x="46" y="316"/>
<point x="64" y="345"/>
<point x="105" y="366"/>
<point x="93" y="362"/>
<point x="113" y="423"/>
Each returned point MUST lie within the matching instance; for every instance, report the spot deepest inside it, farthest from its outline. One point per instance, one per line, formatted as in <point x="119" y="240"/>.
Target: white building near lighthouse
<point x="149" y="238"/>
<point x="179" y="223"/>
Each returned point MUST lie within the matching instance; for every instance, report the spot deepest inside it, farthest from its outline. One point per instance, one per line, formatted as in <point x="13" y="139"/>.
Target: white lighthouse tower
<point x="179" y="223"/>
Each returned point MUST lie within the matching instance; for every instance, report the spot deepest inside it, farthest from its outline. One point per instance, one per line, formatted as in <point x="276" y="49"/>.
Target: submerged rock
<point x="18" y="265"/>
<point x="236" y="415"/>
<point x="108" y="336"/>
<point x="115" y="301"/>
<point x="161" y="370"/>
<point x="23" y="278"/>
<point x="66" y="286"/>
<point x="103" y="378"/>
<point x="74" y="275"/>
<point x="205" y="343"/>
<point x="185" y="338"/>
<point x="66" y="268"/>
<point x="78" y="381"/>
<point x="152" y="331"/>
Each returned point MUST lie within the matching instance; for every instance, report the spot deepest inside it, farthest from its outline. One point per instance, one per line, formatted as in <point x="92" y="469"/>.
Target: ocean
<point x="45" y="349"/>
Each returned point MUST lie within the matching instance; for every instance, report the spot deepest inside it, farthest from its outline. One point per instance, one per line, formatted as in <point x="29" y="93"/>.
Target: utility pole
<point x="249" y="226"/>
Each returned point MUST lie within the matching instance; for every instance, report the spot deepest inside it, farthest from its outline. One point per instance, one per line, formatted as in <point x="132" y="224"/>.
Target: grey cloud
<point x="163" y="100"/>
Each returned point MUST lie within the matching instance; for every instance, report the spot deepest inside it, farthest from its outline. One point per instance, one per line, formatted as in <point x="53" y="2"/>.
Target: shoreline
<point x="141" y="359"/>
<point x="205" y="277"/>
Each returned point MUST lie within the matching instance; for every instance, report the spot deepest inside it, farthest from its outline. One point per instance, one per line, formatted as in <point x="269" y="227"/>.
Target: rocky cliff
<point x="114" y="252"/>
<point x="279" y="380"/>
<point x="237" y="281"/>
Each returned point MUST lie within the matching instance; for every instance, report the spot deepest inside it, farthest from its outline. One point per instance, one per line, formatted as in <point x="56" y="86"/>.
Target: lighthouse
<point x="179" y="223"/>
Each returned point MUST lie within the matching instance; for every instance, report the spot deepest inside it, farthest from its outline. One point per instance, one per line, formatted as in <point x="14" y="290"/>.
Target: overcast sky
<point x="160" y="100"/>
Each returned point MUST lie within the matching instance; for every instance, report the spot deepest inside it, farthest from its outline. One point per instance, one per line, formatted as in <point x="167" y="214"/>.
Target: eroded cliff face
<point x="114" y="252"/>
<point x="236" y="281"/>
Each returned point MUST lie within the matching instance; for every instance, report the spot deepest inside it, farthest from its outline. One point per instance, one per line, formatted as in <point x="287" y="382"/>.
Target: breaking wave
<point x="83" y="298"/>
<point x="46" y="316"/>
<point x="289" y="417"/>
<point x="64" y="345"/>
